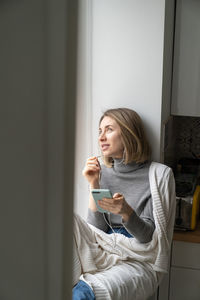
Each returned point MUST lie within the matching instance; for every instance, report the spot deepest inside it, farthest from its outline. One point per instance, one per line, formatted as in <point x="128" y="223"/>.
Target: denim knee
<point x="82" y="291"/>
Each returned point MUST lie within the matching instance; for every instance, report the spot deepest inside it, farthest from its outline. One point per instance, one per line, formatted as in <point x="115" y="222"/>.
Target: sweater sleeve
<point x="142" y="226"/>
<point x="97" y="219"/>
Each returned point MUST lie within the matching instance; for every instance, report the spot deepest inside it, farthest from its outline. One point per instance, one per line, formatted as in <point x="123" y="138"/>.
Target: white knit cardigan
<point x="95" y="250"/>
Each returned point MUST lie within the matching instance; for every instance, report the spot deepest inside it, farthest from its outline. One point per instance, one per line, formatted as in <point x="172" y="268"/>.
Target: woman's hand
<point x="91" y="171"/>
<point x="117" y="205"/>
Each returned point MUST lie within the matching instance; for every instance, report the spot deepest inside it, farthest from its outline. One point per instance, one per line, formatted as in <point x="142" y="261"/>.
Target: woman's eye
<point x="109" y="129"/>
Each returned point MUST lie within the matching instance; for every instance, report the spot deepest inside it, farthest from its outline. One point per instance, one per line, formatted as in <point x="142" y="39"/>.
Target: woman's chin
<point x="106" y="154"/>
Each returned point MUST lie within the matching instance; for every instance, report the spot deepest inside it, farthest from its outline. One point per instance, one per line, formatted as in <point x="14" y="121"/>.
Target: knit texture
<point x="132" y="181"/>
<point x="98" y="251"/>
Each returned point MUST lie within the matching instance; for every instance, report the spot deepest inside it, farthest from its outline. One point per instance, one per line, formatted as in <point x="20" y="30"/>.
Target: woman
<point x="128" y="247"/>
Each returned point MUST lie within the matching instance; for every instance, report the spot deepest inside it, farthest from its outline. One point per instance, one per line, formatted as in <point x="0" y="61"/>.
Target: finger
<point x="98" y="162"/>
<point x="92" y="158"/>
<point x="117" y="195"/>
<point x="109" y="203"/>
<point x="92" y="169"/>
<point x="92" y="164"/>
<point x="109" y="207"/>
<point x="114" y="206"/>
<point x="105" y="205"/>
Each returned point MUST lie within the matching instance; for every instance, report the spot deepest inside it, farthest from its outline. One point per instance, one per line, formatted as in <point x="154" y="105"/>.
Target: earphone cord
<point x="113" y="230"/>
<point x="110" y="228"/>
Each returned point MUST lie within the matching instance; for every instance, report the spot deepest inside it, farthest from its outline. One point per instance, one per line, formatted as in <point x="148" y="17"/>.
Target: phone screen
<point x="99" y="194"/>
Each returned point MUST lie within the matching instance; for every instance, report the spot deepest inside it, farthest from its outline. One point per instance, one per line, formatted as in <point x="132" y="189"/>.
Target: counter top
<point x="188" y="236"/>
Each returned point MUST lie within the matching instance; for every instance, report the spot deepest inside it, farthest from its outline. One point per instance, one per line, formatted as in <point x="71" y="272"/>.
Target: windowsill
<point x="188" y="236"/>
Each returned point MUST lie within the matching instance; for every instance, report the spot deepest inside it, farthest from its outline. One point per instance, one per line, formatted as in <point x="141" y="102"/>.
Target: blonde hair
<point x="136" y="145"/>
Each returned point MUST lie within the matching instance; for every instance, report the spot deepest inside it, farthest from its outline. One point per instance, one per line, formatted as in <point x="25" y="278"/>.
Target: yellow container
<point x="195" y="207"/>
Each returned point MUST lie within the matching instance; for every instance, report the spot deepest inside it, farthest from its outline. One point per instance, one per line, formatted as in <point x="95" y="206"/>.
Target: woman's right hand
<point x="91" y="171"/>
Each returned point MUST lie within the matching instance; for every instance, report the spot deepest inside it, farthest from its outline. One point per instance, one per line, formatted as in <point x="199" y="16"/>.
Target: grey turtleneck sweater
<point x="132" y="181"/>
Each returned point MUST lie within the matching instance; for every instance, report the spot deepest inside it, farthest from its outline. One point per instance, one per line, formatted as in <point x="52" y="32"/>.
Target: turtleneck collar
<point x="120" y="167"/>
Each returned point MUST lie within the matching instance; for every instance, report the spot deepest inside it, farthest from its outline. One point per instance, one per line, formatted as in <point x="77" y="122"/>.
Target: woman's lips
<point x="104" y="147"/>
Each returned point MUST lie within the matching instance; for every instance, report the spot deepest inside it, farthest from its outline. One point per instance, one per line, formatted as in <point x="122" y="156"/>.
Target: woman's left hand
<point x="117" y="205"/>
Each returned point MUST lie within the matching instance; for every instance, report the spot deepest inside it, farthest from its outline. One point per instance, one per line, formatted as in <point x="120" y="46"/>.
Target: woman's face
<point x="110" y="139"/>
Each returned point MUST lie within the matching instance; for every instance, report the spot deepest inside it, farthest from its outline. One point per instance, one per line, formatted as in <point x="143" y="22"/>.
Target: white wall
<point x="124" y="67"/>
<point x="128" y="60"/>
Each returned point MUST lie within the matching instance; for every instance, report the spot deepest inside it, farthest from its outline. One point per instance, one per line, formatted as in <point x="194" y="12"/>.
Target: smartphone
<point x="99" y="194"/>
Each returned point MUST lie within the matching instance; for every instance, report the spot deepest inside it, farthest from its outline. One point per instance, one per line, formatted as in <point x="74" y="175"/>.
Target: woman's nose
<point x="102" y="136"/>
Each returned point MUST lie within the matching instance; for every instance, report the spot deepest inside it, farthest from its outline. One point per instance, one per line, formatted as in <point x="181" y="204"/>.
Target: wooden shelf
<point x="188" y="236"/>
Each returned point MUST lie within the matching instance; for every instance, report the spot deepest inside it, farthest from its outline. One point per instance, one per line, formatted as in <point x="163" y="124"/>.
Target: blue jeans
<point x="82" y="291"/>
<point x="121" y="230"/>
